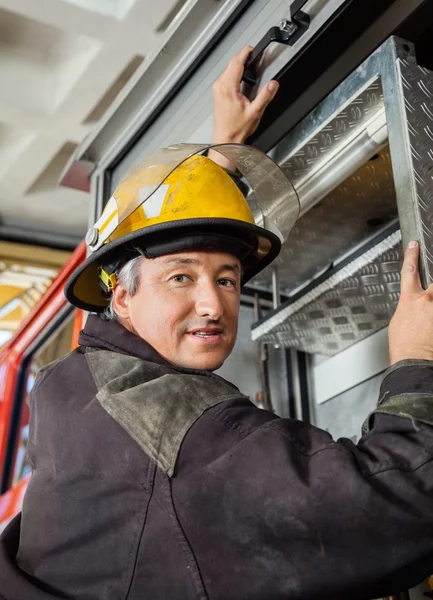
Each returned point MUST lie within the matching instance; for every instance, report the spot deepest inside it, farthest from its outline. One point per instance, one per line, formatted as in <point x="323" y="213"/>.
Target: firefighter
<point x="155" y="478"/>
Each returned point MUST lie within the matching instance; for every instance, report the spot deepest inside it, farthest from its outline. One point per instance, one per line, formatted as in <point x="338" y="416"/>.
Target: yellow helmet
<point x="177" y="199"/>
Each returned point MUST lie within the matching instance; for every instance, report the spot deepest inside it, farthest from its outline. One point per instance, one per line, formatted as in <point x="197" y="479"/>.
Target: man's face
<point x="186" y="307"/>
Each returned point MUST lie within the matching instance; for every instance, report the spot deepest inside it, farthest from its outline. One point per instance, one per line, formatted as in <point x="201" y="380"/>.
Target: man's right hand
<point x="411" y="329"/>
<point x="235" y="116"/>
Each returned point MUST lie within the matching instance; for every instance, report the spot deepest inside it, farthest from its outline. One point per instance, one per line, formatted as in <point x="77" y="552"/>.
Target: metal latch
<point x="288" y="33"/>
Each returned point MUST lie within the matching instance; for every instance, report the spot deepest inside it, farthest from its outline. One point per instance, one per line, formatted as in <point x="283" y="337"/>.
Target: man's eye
<point x="227" y="282"/>
<point x="180" y="278"/>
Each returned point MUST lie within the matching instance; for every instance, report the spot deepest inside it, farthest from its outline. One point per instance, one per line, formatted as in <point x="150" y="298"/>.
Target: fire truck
<point x="50" y="331"/>
<point x="352" y="126"/>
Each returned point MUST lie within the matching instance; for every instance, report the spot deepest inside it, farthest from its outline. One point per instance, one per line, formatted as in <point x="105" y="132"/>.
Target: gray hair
<point x="129" y="277"/>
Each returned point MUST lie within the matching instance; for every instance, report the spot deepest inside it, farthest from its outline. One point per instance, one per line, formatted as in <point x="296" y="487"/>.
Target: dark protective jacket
<point x="153" y="482"/>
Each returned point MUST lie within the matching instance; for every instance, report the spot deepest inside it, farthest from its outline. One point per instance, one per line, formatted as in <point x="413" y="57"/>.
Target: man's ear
<point x="121" y="300"/>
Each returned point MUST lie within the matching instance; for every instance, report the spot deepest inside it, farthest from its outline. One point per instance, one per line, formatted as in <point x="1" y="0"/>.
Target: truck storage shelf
<point x="349" y="302"/>
<point x="358" y="162"/>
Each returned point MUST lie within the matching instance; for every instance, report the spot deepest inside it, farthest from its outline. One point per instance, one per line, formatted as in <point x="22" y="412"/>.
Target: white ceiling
<point x="62" y="62"/>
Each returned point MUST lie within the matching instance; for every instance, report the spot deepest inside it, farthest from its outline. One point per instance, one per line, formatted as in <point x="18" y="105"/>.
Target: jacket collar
<point x="111" y="335"/>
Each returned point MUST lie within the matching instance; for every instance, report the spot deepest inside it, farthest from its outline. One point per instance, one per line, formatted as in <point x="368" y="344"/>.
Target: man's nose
<point x="208" y="301"/>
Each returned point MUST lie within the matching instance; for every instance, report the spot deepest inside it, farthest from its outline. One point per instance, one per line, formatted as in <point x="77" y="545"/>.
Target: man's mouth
<point x="207" y="334"/>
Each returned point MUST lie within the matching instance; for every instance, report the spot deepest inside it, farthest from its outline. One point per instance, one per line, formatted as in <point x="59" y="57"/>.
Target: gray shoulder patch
<point x="155" y="404"/>
<point x="415" y="407"/>
<point x="409" y="362"/>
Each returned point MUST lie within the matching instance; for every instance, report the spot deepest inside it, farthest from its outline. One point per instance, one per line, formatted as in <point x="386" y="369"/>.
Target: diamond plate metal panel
<point x="333" y="135"/>
<point x="352" y="301"/>
<point x="416" y="87"/>
<point x="350" y="214"/>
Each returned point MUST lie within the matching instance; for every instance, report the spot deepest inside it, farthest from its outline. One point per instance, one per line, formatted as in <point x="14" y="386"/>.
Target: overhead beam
<point x="38" y="237"/>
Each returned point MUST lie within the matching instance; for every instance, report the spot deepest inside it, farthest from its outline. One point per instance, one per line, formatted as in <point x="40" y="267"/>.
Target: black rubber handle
<point x="275" y="34"/>
<point x="288" y="33"/>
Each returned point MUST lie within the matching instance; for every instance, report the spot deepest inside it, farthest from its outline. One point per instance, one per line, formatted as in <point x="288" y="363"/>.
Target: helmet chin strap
<point x="107" y="277"/>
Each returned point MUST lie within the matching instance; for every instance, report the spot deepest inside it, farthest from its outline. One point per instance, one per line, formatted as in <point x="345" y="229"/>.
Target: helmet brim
<point x="83" y="289"/>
